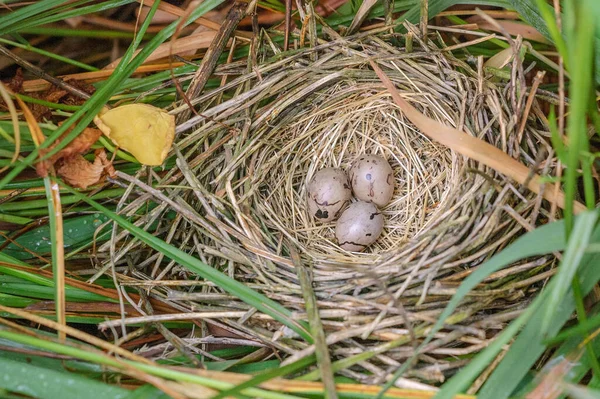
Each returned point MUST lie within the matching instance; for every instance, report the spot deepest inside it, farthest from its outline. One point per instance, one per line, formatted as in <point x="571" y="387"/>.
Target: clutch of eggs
<point x="330" y="191"/>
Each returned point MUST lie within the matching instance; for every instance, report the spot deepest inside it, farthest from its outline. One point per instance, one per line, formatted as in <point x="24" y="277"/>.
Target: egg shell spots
<point x="359" y="226"/>
<point x="372" y="179"/>
<point x="329" y="193"/>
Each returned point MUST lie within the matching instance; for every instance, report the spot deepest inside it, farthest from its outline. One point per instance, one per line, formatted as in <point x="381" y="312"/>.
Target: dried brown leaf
<point x="500" y="59"/>
<point x="176" y="47"/>
<point x="80" y="145"/>
<point x="106" y="163"/>
<point x="81" y="173"/>
<point x="59" y="95"/>
<point x="15" y="84"/>
<point x="513" y="28"/>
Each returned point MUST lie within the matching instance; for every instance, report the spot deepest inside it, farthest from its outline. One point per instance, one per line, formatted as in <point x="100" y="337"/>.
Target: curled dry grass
<point x="239" y="194"/>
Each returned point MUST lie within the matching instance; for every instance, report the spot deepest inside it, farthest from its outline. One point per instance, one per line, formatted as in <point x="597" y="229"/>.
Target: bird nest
<point x="239" y="192"/>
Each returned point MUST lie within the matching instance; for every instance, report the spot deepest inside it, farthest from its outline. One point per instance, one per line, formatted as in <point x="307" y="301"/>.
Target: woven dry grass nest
<point x="239" y="190"/>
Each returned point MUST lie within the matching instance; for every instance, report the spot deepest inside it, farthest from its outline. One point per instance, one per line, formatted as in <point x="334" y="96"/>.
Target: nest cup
<point x="342" y="123"/>
<point x="244" y="162"/>
<point x="324" y="107"/>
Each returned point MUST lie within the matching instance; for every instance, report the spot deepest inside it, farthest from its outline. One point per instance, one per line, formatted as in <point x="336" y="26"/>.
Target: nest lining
<point x="343" y="123"/>
<point x="240" y="197"/>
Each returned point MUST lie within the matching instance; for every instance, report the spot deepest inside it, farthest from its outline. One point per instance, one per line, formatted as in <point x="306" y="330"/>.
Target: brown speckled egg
<point x="328" y="194"/>
<point x="372" y="179"/>
<point x="359" y="226"/>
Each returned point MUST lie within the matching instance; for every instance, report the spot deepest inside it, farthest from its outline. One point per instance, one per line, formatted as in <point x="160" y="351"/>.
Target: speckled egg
<point x="372" y="179"/>
<point x="328" y="194"/>
<point x="359" y="226"/>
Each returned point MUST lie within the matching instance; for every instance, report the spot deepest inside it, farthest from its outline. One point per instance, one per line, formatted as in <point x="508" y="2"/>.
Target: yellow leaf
<point x="143" y="130"/>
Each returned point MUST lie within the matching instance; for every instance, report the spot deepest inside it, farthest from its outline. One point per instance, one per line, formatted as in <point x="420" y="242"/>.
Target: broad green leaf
<point x="43" y="383"/>
<point x="77" y="231"/>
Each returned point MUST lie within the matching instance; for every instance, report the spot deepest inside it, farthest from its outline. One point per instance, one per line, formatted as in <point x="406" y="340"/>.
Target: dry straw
<point x="239" y="196"/>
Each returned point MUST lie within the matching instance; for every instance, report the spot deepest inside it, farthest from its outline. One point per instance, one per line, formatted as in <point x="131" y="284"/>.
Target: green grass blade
<point x="41" y="292"/>
<point x="11" y="351"/>
<point x="86" y="113"/>
<point x="14" y="301"/>
<point x="541" y="19"/>
<point x="557" y="143"/>
<point x="98" y="357"/>
<point x="57" y="57"/>
<point x="60" y="13"/>
<point x="467" y="375"/>
<point x="43" y="383"/>
<point x="569" y="351"/>
<point x="541" y="16"/>
<point x="568" y="267"/>
<point x="582" y="328"/>
<point x="581" y="80"/>
<point x="230" y="285"/>
<point x="413" y="15"/>
<point x="543" y="240"/>
<point x="529" y="345"/>
<point x="66" y="32"/>
<point x="147" y="392"/>
<point x="316" y="327"/>
<point x="266" y="376"/>
<point x="29" y="282"/>
<point x="26" y="12"/>
<point x="345" y="14"/>
<point x="57" y="251"/>
<point x="580" y="392"/>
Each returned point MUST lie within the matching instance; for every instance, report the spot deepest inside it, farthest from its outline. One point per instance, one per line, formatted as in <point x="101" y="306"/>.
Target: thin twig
<point x="209" y="62"/>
